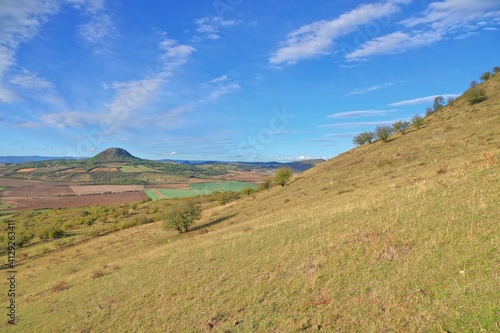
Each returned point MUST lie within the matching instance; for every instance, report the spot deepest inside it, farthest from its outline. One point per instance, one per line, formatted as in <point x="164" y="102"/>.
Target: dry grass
<point x="359" y="247"/>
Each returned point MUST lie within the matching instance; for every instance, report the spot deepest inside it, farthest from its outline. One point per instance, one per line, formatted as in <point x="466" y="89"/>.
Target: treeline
<point x="475" y="94"/>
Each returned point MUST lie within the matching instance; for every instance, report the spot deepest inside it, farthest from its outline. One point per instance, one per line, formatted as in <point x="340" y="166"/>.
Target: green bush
<point x="401" y="126"/>
<point x="383" y="132"/>
<point x="364" y="137"/>
<point x="417" y="121"/>
<point x="182" y="216"/>
<point x="266" y="183"/>
<point x="282" y="176"/>
<point x="475" y="94"/>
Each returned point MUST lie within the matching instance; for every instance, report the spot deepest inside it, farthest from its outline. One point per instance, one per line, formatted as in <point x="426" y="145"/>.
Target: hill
<point x="113" y="155"/>
<point x="389" y="237"/>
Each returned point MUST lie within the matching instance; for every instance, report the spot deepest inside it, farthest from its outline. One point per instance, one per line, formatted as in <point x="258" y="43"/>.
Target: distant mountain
<point x="297" y="166"/>
<point x="114" y="155"/>
<point x="36" y="158"/>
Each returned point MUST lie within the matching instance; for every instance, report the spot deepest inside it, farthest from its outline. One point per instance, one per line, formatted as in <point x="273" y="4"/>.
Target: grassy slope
<point x="395" y="237"/>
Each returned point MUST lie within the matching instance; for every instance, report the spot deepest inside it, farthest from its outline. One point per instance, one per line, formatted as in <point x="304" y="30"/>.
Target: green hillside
<point x="400" y="236"/>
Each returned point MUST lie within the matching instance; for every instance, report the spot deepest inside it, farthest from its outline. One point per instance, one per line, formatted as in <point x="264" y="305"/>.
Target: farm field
<point x="197" y="189"/>
<point x="26" y="194"/>
<point x="136" y="168"/>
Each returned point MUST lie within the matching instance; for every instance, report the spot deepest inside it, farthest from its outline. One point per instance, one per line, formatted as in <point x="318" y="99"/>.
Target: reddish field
<point x="26" y="194"/>
<point x="75" y="201"/>
<point x="104" y="170"/>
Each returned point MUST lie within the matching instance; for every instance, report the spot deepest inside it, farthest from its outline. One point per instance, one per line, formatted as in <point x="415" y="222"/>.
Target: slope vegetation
<point x="389" y="237"/>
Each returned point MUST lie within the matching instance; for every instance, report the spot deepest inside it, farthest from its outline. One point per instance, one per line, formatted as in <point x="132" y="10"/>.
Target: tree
<point x="282" y="176"/>
<point x="383" y="132"/>
<point x="438" y="103"/>
<point x="182" y="215"/>
<point x="362" y="138"/>
<point x="475" y="94"/>
<point x="485" y="76"/>
<point x="417" y="121"/>
<point x="266" y="183"/>
<point x="496" y="69"/>
<point x="401" y="126"/>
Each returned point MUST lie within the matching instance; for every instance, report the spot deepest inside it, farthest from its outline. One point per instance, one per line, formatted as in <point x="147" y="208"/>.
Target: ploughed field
<point x="26" y="194"/>
<point x="18" y="194"/>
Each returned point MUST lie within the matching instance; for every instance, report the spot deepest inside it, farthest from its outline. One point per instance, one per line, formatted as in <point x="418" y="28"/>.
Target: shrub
<point x="475" y="94"/>
<point x="362" y="138"/>
<point x="182" y="216"/>
<point x="417" y="121"/>
<point x="266" y="183"/>
<point x="247" y="191"/>
<point x="438" y="103"/>
<point x="282" y="176"/>
<point x="496" y="69"/>
<point x="401" y="126"/>
<point x="383" y="132"/>
<point x="226" y="197"/>
<point x="485" y="76"/>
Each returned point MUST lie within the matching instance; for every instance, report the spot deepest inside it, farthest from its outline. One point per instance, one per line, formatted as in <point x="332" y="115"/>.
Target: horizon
<point x="231" y="81"/>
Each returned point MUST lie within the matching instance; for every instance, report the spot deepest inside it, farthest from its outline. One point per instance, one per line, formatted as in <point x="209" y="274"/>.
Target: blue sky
<point x="229" y="79"/>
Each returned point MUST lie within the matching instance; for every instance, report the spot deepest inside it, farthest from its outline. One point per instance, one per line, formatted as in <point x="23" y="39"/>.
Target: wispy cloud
<point x="360" y="113"/>
<point x="369" y="89"/>
<point x="218" y="87"/>
<point x="131" y="96"/>
<point x="358" y="124"/>
<point x="450" y="14"/>
<point x="210" y="27"/>
<point x="318" y="38"/>
<point x="439" y="21"/>
<point x="397" y="42"/>
<point x="100" y="26"/>
<point x="421" y="100"/>
<point x="20" y="21"/>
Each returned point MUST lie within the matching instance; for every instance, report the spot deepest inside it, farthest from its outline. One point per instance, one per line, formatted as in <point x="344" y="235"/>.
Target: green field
<point x="135" y="168"/>
<point x="200" y="189"/>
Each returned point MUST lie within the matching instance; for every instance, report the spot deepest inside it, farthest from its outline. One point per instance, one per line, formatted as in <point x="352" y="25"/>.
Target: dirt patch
<point x="73" y="170"/>
<point x="26" y="170"/>
<point x="101" y="189"/>
<point x="75" y="201"/>
<point x="104" y="170"/>
<point x="37" y="191"/>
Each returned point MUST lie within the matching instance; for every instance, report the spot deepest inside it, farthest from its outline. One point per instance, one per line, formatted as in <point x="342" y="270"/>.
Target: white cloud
<point x="439" y="21"/>
<point x="173" y="153"/>
<point x="30" y="80"/>
<point x="370" y="89"/>
<point x="97" y="29"/>
<point x="219" y="79"/>
<point x="20" y="21"/>
<point x="361" y="113"/>
<point x="448" y="14"/>
<point x="131" y="96"/>
<point x="219" y="87"/>
<point x="209" y="27"/>
<point x="317" y="38"/>
<point x="100" y="26"/>
<point x="358" y="124"/>
<point x="396" y="42"/>
<point x="421" y="100"/>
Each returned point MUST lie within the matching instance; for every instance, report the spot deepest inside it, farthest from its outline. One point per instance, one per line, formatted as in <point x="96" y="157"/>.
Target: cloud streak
<point x="421" y="100"/>
<point x="358" y="114"/>
<point x="318" y="38"/>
